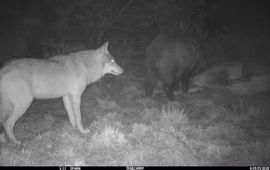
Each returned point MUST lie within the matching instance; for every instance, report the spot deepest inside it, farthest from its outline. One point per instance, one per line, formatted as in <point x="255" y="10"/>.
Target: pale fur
<point x="65" y="76"/>
<point x="238" y="77"/>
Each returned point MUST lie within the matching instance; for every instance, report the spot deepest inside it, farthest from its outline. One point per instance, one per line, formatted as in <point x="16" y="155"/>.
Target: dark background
<point x="230" y="29"/>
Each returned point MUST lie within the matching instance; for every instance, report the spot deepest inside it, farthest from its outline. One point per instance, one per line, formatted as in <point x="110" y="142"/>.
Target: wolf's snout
<point x="117" y="71"/>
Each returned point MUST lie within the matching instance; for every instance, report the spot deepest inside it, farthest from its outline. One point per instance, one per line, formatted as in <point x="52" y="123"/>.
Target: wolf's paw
<point x="23" y="147"/>
<point x="84" y="131"/>
<point x="15" y="141"/>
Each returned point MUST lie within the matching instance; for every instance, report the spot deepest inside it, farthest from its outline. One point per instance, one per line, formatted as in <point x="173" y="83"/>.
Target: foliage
<point x="226" y="45"/>
<point x="100" y="16"/>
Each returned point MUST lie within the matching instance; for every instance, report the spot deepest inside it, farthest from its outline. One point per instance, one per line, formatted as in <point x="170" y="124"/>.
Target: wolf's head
<point x="109" y="66"/>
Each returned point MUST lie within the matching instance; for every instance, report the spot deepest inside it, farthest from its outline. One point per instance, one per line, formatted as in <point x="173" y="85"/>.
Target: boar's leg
<point x="176" y="82"/>
<point x="150" y="83"/>
<point x="185" y="81"/>
<point x="168" y="83"/>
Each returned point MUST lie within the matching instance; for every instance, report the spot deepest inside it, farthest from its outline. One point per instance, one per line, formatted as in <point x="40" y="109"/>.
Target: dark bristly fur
<point x="171" y="58"/>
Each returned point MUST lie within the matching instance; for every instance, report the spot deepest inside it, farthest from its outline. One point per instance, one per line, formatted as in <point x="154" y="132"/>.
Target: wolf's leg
<point x="76" y="100"/>
<point x="19" y="109"/>
<point x="69" y="109"/>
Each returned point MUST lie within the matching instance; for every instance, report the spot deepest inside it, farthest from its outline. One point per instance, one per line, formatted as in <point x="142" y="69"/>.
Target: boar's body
<point x="171" y="58"/>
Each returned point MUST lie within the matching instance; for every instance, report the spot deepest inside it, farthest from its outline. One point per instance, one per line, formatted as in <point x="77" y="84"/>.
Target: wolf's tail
<point x="2" y="130"/>
<point x="2" y="137"/>
<point x="3" y="117"/>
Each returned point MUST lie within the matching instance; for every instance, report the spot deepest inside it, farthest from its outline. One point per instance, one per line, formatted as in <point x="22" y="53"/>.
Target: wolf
<point x="66" y="76"/>
<point x="171" y="58"/>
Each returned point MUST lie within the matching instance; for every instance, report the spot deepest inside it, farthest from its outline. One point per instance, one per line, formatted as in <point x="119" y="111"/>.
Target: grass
<point x="203" y="128"/>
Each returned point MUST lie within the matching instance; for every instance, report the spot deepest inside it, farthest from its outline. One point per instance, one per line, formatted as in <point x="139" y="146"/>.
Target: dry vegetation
<point x="203" y="128"/>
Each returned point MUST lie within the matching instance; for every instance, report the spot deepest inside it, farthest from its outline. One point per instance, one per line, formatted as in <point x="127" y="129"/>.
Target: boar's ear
<point x="104" y="47"/>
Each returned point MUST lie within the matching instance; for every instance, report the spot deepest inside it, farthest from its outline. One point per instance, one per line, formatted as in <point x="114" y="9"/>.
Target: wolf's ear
<point x="104" y="47"/>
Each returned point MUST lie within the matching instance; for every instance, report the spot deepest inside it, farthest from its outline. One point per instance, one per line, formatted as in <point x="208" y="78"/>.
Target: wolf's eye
<point x="112" y="61"/>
